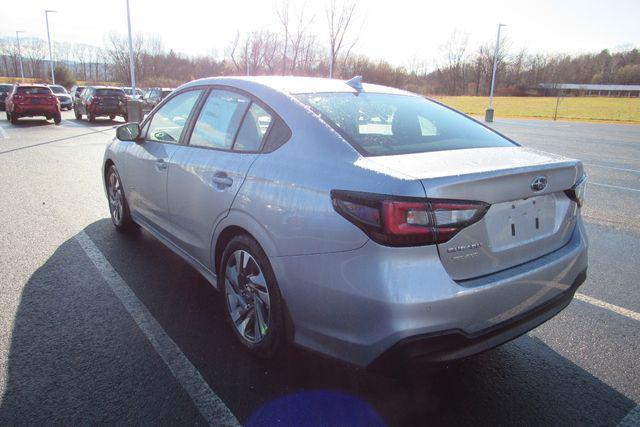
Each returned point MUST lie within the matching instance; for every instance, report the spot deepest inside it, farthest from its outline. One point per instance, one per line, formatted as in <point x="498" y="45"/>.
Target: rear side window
<point x="385" y="124"/>
<point x="167" y="123"/>
<point x="5" y="88"/>
<point x="26" y="90"/>
<point x="219" y="120"/>
<point x="254" y="127"/>
<point x="278" y="135"/>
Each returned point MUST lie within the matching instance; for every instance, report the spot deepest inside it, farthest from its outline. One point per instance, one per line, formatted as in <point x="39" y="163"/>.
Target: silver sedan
<point x="359" y="221"/>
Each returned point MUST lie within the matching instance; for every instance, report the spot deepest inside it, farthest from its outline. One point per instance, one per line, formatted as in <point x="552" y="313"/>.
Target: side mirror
<point x="128" y="132"/>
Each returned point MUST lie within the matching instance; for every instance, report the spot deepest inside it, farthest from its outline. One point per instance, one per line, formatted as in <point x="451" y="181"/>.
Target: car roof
<point x="31" y="85"/>
<point x="105" y="87"/>
<point x="298" y="85"/>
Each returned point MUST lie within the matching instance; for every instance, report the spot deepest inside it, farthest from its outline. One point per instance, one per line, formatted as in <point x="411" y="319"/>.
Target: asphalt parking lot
<point x="104" y="328"/>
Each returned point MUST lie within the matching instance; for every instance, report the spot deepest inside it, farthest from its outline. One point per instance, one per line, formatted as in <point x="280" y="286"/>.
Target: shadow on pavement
<point x="76" y="355"/>
<point x="32" y="122"/>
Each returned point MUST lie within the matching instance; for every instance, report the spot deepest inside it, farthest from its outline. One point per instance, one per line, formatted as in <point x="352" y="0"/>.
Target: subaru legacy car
<point x="363" y="222"/>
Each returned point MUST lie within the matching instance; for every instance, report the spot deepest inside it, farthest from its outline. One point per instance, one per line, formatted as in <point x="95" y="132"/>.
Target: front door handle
<point x="222" y="181"/>
<point x="161" y="165"/>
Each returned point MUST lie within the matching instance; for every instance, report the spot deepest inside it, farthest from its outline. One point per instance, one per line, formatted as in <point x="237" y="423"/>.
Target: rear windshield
<point x="57" y="89"/>
<point x="383" y="124"/>
<point x="25" y="90"/>
<point x="5" y="88"/>
<point x="109" y="92"/>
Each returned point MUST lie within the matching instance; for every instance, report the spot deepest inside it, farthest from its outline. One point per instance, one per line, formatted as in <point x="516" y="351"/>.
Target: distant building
<point x="577" y="89"/>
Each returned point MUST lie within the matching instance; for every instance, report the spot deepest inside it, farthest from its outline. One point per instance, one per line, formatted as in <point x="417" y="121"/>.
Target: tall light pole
<point x="488" y="116"/>
<point x="46" y="17"/>
<point x="20" y="53"/>
<point x="131" y="65"/>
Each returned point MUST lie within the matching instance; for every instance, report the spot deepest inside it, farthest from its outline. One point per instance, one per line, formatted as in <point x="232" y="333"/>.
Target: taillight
<point x="52" y="98"/>
<point x="577" y="192"/>
<point x="95" y="100"/>
<point x="18" y="97"/>
<point x="400" y="221"/>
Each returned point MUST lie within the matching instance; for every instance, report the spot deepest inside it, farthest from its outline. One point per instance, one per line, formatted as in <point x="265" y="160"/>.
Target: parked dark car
<point x="30" y="101"/>
<point x="101" y="101"/>
<point x="153" y="96"/>
<point x="76" y="92"/>
<point x="4" y="92"/>
<point x="66" y="103"/>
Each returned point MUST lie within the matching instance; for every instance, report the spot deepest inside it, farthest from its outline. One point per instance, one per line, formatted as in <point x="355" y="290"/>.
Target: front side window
<point x="254" y="127"/>
<point x="167" y="123"/>
<point x="385" y="124"/>
<point x="219" y="120"/>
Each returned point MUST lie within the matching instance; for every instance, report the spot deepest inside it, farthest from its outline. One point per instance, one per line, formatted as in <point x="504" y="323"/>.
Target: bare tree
<point x="340" y="16"/>
<point x="455" y="52"/>
<point x="283" y="16"/>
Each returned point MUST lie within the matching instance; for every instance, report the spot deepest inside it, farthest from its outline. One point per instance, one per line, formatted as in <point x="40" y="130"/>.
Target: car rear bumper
<point x="36" y="110"/>
<point x="108" y="110"/>
<point x="361" y="306"/>
<point x="456" y="344"/>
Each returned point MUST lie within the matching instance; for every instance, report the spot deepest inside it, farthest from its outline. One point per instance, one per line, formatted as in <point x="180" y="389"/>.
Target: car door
<point x="84" y="99"/>
<point x="148" y="161"/>
<point x="206" y="173"/>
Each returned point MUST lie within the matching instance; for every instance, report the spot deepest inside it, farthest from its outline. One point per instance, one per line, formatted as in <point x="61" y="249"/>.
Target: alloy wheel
<point x="116" y="202"/>
<point x="247" y="295"/>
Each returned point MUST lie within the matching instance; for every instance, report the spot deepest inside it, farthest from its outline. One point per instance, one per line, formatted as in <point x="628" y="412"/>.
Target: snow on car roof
<point x="297" y="85"/>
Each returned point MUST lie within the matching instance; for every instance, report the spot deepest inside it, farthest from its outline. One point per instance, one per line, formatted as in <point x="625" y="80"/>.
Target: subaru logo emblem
<point x="539" y="183"/>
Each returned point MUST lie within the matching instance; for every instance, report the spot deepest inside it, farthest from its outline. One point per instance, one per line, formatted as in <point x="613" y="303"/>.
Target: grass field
<point x="573" y="108"/>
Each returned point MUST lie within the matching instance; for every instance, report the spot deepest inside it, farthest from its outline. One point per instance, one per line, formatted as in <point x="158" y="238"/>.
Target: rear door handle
<point x="161" y="164"/>
<point x="222" y="181"/>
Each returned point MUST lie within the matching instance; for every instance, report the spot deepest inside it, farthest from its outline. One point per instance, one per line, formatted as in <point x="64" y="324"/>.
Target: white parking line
<point x="632" y="419"/>
<point x="616" y="309"/>
<point x="4" y="134"/>
<point x="617" y="187"/>
<point x="208" y="403"/>
<point x="614" y="168"/>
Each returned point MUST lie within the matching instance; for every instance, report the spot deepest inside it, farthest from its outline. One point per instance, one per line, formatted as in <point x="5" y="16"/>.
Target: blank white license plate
<point x="519" y="222"/>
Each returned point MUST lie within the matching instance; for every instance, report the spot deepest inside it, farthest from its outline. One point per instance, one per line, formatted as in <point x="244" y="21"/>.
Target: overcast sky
<point x="398" y="30"/>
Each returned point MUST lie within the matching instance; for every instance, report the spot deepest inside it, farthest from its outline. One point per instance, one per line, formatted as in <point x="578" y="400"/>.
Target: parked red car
<point x="30" y="101"/>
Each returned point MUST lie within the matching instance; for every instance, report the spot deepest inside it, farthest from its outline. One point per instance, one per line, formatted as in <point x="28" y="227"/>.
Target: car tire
<point x="126" y="118"/>
<point x="118" y="206"/>
<point x="77" y="114"/>
<point x="8" y="115"/>
<point x="57" y="118"/>
<point x="252" y="299"/>
<point x="14" y="118"/>
<point x="91" y="117"/>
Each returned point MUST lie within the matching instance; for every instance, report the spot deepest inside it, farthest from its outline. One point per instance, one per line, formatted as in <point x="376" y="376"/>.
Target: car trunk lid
<point x="524" y="221"/>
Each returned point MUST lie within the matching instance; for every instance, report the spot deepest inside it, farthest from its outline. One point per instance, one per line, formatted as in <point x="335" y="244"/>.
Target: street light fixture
<point x="46" y="17"/>
<point x="488" y="116"/>
<point x="20" y="53"/>
<point x="131" y="62"/>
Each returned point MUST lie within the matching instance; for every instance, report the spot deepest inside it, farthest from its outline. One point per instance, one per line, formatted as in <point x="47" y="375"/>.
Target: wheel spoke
<point x="261" y="318"/>
<point x="231" y="275"/>
<point x="243" y="320"/>
<point x="258" y="284"/>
